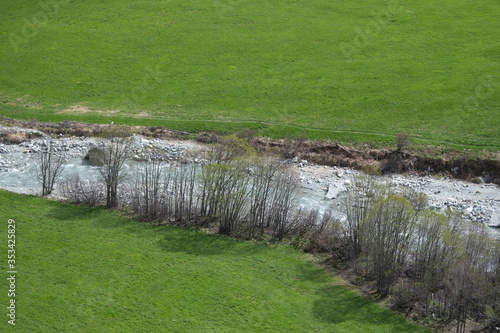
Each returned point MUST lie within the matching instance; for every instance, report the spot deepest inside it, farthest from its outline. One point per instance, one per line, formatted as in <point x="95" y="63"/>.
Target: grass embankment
<point x="89" y="270"/>
<point x="347" y="71"/>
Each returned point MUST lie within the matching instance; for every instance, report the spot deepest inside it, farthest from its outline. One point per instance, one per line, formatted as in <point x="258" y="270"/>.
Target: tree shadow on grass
<point x="308" y="271"/>
<point x="340" y="305"/>
<point x="66" y="212"/>
<point x="201" y="244"/>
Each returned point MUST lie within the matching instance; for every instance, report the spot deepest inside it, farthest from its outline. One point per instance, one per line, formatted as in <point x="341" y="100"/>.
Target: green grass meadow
<point x="88" y="270"/>
<point x="329" y="69"/>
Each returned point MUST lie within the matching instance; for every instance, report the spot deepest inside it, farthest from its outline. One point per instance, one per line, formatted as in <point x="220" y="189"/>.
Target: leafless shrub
<point x="330" y="235"/>
<point x="48" y="168"/>
<point x="402" y="141"/>
<point x="247" y="195"/>
<point x="82" y="192"/>
<point x="247" y="134"/>
<point x="404" y="298"/>
<point x="303" y="223"/>
<point x="293" y="147"/>
<point x="225" y="190"/>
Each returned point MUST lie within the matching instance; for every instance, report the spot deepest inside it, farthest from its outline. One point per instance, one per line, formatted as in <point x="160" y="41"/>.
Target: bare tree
<point x="429" y="257"/>
<point x="466" y="280"/>
<point x="225" y="182"/>
<point x="180" y="187"/>
<point x="284" y="196"/>
<point x="166" y="192"/>
<point x="225" y="192"/>
<point x="385" y="237"/>
<point x="114" y="154"/>
<point x="147" y="191"/>
<point x="48" y="168"/>
<point x="265" y="171"/>
<point x="232" y="201"/>
<point x="492" y="310"/>
<point x="359" y="199"/>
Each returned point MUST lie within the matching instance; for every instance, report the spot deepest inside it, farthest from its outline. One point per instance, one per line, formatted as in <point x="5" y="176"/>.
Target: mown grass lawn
<point x="343" y="70"/>
<point x="88" y="270"/>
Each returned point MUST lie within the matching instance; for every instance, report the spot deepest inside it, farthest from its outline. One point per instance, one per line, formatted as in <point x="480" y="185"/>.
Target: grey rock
<point x="95" y="156"/>
<point x="334" y="191"/>
<point x="494" y="220"/>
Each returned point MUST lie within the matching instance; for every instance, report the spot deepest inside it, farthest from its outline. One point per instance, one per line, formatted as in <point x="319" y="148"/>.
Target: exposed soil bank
<point x="456" y="165"/>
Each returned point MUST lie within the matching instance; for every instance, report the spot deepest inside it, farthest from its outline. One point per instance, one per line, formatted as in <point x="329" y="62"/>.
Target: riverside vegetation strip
<point x="89" y="270"/>
<point x="281" y="68"/>
<point x="477" y="202"/>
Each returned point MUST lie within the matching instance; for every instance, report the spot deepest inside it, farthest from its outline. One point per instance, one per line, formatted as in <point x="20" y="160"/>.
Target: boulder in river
<point x="95" y="156"/>
<point x="333" y="191"/>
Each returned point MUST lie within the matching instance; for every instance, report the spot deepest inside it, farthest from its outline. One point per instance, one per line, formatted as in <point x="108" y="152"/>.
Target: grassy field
<point x="343" y="70"/>
<point x="87" y="270"/>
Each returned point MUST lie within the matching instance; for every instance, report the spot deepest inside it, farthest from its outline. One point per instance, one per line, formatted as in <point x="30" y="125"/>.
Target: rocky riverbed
<point x="477" y="202"/>
<point x="322" y="186"/>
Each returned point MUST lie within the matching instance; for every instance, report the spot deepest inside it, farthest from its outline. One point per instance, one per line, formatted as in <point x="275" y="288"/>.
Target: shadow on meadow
<point x="310" y="272"/>
<point x="338" y="304"/>
<point x="200" y="244"/>
<point x="169" y="238"/>
<point x="66" y="212"/>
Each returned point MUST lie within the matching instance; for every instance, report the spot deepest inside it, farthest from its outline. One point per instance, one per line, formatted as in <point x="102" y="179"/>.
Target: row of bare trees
<point x="165" y="193"/>
<point x="235" y="190"/>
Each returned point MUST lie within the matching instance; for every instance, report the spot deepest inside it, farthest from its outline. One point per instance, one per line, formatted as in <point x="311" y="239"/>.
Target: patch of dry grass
<point x="15" y="138"/>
